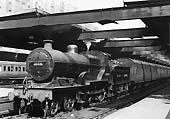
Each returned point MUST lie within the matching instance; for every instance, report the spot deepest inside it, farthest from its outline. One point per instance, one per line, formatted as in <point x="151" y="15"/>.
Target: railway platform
<point x="4" y="91"/>
<point x="155" y="106"/>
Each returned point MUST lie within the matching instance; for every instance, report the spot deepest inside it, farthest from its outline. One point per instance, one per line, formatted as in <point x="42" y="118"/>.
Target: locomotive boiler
<point x="60" y="81"/>
<point x="44" y="64"/>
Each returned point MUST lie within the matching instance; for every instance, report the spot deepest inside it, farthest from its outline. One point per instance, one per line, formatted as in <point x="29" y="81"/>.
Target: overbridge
<point x="31" y="28"/>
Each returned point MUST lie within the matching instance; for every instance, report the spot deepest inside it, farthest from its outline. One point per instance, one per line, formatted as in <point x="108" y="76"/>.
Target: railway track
<point x="127" y="101"/>
<point x="99" y="110"/>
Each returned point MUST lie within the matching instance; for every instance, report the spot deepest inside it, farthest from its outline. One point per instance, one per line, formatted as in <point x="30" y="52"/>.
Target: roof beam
<point x="112" y="14"/>
<point x="149" y="54"/>
<point x="130" y="43"/>
<point x="157" y="56"/>
<point x="154" y="53"/>
<point x="148" y="48"/>
<point x="122" y="33"/>
<point x="14" y="50"/>
<point x="142" y="52"/>
<point x="144" y="2"/>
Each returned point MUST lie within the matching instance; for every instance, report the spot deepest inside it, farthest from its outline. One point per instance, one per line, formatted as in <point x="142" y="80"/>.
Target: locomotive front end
<point x="40" y="65"/>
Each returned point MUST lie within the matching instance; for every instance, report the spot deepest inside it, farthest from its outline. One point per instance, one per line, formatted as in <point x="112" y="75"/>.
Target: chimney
<point x="48" y="44"/>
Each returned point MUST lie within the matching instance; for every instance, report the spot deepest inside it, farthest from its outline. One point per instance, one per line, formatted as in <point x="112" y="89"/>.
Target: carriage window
<point x="125" y="75"/>
<point x="118" y="76"/>
<point x="4" y="68"/>
<point x="19" y="68"/>
<point x="24" y="69"/>
<point x="16" y="68"/>
<point x="9" y="68"/>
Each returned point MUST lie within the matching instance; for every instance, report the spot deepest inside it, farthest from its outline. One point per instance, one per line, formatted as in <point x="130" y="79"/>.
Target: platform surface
<point x="155" y="106"/>
<point x="4" y="91"/>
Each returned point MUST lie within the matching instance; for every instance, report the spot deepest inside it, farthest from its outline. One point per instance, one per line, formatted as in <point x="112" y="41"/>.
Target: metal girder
<point x="121" y="33"/>
<point x="147" y="48"/>
<point x="154" y="53"/>
<point x="14" y="50"/>
<point x="161" y="59"/>
<point x="144" y="2"/>
<point x="112" y="14"/>
<point x="157" y="60"/>
<point x="130" y="43"/>
<point x="142" y="52"/>
<point x="150" y="54"/>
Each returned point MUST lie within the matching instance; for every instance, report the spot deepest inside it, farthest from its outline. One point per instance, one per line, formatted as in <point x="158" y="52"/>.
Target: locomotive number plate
<point x="38" y="64"/>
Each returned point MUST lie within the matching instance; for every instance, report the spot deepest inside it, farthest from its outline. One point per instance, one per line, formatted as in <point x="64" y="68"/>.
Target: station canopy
<point x="129" y="32"/>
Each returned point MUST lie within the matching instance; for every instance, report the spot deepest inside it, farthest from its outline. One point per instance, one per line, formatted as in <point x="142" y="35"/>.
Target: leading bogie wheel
<point x="54" y="108"/>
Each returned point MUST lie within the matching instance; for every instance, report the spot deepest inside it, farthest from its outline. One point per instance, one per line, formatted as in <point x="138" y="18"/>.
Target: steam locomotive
<point x="12" y="72"/>
<point x="59" y="81"/>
